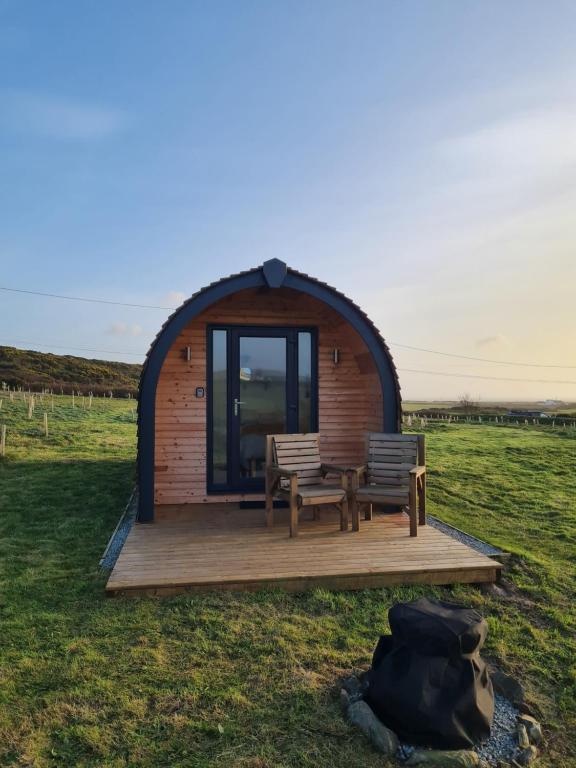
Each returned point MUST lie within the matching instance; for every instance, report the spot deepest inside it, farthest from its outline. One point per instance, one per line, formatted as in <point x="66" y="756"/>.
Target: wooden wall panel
<point x="350" y="398"/>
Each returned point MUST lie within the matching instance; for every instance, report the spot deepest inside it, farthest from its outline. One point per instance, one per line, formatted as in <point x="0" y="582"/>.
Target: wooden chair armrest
<point x="358" y="470"/>
<point x="277" y="471"/>
<point x="418" y="471"/>
<point x="333" y="469"/>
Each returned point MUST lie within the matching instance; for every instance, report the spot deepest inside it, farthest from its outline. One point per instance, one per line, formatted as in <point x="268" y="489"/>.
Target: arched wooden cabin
<point x="266" y="351"/>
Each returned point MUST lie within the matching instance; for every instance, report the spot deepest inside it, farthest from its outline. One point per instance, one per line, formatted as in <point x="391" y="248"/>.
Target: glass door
<point x="262" y="381"/>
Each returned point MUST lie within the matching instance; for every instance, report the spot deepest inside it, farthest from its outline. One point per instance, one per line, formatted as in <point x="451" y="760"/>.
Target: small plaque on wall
<point x="199" y="391"/>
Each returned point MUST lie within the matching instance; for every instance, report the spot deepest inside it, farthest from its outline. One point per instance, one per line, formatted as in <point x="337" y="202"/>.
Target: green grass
<point x="248" y="680"/>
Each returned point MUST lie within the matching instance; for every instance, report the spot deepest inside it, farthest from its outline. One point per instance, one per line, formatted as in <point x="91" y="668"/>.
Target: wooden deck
<point x="219" y="546"/>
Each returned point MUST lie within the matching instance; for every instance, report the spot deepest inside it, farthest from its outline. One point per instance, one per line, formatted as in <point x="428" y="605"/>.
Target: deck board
<point x="219" y="546"/>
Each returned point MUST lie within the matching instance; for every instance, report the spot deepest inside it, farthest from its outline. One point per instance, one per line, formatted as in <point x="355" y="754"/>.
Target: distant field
<point x="248" y="680"/>
<point x="487" y="406"/>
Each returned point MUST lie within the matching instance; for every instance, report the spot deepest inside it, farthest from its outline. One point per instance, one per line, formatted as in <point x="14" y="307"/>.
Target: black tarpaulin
<point x="428" y="682"/>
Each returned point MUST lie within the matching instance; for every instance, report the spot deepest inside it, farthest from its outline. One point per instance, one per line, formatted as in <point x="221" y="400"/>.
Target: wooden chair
<point x="294" y="473"/>
<point x="395" y="473"/>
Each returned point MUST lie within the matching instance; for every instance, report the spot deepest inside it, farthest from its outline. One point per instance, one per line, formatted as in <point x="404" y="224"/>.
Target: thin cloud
<point x="59" y="119"/>
<point x="537" y="141"/>
<point x="174" y="298"/>
<point x="125" y="329"/>
<point x="492" y="341"/>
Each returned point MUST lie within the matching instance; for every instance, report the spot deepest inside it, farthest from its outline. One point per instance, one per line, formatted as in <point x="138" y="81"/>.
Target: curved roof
<point x="273" y="274"/>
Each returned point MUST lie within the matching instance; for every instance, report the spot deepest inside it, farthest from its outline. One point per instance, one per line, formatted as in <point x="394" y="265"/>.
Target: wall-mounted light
<point x="187" y="354"/>
<point x="335" y="355"/>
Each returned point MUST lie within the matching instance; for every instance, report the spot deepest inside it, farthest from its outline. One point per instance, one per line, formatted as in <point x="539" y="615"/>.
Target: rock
<point x="507" y="686"/>
<point x="437" y="758"/>
<point x="527" y="756"/>
<point x="522" y="736"/>
<point x="344" y="699"/>
<point x="533" y="728"/>
<point x="353" y="687"/>
<point x="382" y="738"/>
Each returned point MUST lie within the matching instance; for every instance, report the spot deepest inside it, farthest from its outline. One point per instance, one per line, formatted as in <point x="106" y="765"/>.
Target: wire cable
<point x="392" y="343"/>
<point x="82" y="298"/>
<point x="477" y="359"/>
<point x="486" y="378"/>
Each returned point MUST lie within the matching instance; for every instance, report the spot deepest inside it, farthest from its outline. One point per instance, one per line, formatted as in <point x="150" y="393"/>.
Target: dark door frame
<point x="234" y="483"/>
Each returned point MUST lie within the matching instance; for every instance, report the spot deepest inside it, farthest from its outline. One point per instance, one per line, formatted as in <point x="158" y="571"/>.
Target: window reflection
<point x="262" y="399"/>
<point x="219" y="403"/>
<point x="305" y="382"/>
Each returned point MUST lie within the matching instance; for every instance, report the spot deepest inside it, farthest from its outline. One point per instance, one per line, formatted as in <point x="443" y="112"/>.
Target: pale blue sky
<point x="420" y="156"/>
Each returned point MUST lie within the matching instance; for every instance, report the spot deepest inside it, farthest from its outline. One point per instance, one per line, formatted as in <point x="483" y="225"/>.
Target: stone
<point x="522" y="736"/>
<point x="382" y="738"/>
<point x="344" y="699"/>
<point x="353" y="687"/>
<point x="533" y="728"/>
<point x="507" y="686"/>
<point x="439" y="758"/>
<point x="527" y="756"/>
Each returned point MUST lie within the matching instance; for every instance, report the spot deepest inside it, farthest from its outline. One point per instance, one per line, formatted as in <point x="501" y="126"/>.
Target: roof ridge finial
<point x="275" y="271"/>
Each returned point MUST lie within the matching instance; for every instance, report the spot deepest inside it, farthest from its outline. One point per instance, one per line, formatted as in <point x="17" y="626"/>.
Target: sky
<point x="419" y="156"/>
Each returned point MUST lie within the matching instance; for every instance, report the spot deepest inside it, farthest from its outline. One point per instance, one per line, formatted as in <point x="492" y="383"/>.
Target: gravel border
<point x="502" y="743"/>
<point x="465" y="538"/>
<point x="116" y="541"/>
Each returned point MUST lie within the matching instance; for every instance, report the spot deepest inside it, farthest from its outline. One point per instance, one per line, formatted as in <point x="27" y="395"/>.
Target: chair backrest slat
<point x="391" y="457"/>
<point x="301" y="453"/>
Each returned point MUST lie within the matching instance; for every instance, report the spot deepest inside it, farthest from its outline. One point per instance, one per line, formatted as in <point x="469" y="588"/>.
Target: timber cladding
<point x="349" y="393"/>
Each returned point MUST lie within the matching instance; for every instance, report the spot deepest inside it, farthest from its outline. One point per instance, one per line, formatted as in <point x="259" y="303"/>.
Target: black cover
<point x="428" y="682"/>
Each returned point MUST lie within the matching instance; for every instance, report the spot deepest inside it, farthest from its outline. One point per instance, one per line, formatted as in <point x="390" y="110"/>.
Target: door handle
<point x="236" y="404"/>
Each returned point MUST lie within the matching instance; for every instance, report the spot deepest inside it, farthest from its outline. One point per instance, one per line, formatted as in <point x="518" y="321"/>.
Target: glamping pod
<point x="266" y="351"/>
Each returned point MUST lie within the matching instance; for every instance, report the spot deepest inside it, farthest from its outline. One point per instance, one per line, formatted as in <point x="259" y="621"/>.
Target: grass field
<point x="248" y="680"/>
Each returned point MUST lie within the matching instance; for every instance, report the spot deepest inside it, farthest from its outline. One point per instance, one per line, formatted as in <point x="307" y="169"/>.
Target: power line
<point x="83" y="349"/>
<point x="477" y="359"/>
<point x="392" y="343"/>
<point x="402" y="370"/>
<point x="486" y="378"/>
<point x="81" y="298"/>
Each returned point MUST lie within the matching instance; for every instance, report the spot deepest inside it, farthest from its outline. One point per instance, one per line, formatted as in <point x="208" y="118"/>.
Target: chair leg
<point x="422" y="500"/>
<point x="316" y="512"/>
<point x="293" y="517"/>
<point x="412" y="510"/>
<point x="269" y="510"/>
<point x="344" y="514"/>
<point x="355" y="513"/>
<point x="368" y="512"/>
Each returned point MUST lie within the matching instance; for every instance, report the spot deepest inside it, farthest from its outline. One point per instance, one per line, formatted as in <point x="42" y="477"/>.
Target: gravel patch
<point x="465" y="538"/>
<point x="502" y="744"/>
<point x="120" y="535"/>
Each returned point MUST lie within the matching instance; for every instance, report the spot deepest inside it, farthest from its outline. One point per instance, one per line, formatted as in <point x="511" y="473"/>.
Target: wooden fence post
<point x="3" y="440"/>
<point x="45" y="424"/>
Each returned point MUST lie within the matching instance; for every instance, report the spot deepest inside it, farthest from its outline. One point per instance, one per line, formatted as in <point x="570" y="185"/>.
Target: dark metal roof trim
<point x="274" y="272"/>
<point x="258" y="277"/>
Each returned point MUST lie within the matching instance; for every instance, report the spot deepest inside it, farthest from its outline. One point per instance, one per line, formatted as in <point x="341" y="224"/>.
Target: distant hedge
<point x="43" y="370"/>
